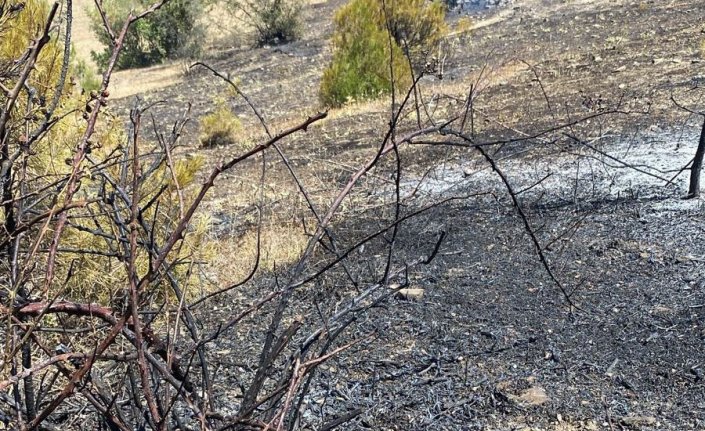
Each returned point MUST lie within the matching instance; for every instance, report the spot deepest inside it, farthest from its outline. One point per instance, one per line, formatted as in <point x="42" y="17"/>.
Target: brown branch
<point x="71" y="308"/>
<point x="72" y="183"/>
<point x="70" y="189"/>
<point x="527" y="226"/>
<point x="133" y="276"/>
<point x="210" y="182"/>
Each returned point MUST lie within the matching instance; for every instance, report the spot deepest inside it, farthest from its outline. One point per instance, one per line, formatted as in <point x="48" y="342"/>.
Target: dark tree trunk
<point x="694" y="188"/>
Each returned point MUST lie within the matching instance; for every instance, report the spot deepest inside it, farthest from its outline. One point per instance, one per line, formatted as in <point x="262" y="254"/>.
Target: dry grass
<point x="84" y="41"/>
<point x="362" y="107"/>
<point x="127" y="83"/>
<point x="222" y="30"/>
<point x="497" y="18"/>
<point x="280" y="245"/>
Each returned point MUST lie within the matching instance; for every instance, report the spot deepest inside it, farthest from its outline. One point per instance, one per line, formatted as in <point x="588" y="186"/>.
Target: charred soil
<point x="493" y="344"/>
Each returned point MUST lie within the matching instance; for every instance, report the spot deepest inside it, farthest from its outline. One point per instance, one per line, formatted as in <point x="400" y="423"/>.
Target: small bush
<point x="174" y="31"/>
<point x="274" y="21"/>
<point x="220" y="127"/>
<point x="277" y="21"/>
<point x="416" y="25"/>
<point x="362" y="50"/>
<point x="88" y="80"/>
<point x="85" y="265"/>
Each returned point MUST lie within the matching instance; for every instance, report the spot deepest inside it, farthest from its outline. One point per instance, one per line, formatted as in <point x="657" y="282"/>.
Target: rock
<point x="410" y="294"/>
<point x="663" y="60"/>
<point x="534" y="396"/>
<point x="685" y="258"/>
<point x="637" y="421"/>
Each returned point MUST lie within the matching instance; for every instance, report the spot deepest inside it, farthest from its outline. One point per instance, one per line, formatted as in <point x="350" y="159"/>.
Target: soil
<point x="493" y="344"/>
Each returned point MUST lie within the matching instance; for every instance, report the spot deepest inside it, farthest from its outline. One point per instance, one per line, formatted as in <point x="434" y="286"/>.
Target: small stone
<point x="410" y="294"/>
<point x="636" y="421"/>
<point x="534" y="396"/>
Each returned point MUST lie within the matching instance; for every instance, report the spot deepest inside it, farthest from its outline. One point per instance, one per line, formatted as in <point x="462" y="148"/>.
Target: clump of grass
<point x="221" y="127"/>
<point x="280" y="244"/>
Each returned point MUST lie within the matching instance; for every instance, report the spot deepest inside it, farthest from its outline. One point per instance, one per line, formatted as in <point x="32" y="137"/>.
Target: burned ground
<point x="493" y="344"/>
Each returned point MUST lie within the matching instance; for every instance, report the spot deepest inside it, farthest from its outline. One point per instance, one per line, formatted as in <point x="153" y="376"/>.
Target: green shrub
<point x="220" y="127"/>
<point x="416" y="25"/>
<point x="274" y="21"/>
<point x="93" y="277"/>
<point x="88" y="80"/>
<point x="174" y="31"/>
<point x="362" y="50"/>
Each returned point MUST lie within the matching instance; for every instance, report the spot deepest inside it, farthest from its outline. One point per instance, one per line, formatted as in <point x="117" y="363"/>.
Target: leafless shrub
<point x="100" y="256"/>
<point x="100" y="259"/>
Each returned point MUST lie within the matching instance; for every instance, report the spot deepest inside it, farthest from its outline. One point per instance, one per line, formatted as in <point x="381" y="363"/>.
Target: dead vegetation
<point x="530" y="208"/>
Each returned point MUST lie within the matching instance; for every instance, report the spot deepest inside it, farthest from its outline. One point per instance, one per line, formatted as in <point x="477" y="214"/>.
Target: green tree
<point x="274" y="21"/>
<point x="369" y="35"/>
<point x="173" y="31"/>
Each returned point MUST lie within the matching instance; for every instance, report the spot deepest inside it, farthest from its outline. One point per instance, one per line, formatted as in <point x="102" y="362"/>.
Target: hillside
<point x="509" y="250"/>
<point x="492" y="344"/>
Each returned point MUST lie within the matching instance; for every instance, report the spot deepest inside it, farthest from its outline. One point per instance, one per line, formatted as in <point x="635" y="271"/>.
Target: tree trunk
<point x="694" y="188"/>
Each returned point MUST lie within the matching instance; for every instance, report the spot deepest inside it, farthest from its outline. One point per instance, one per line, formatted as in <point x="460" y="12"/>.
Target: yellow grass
<point x="127" y="83"/>
<point x="84" y="41"/>
<point x="280" y="245"/>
